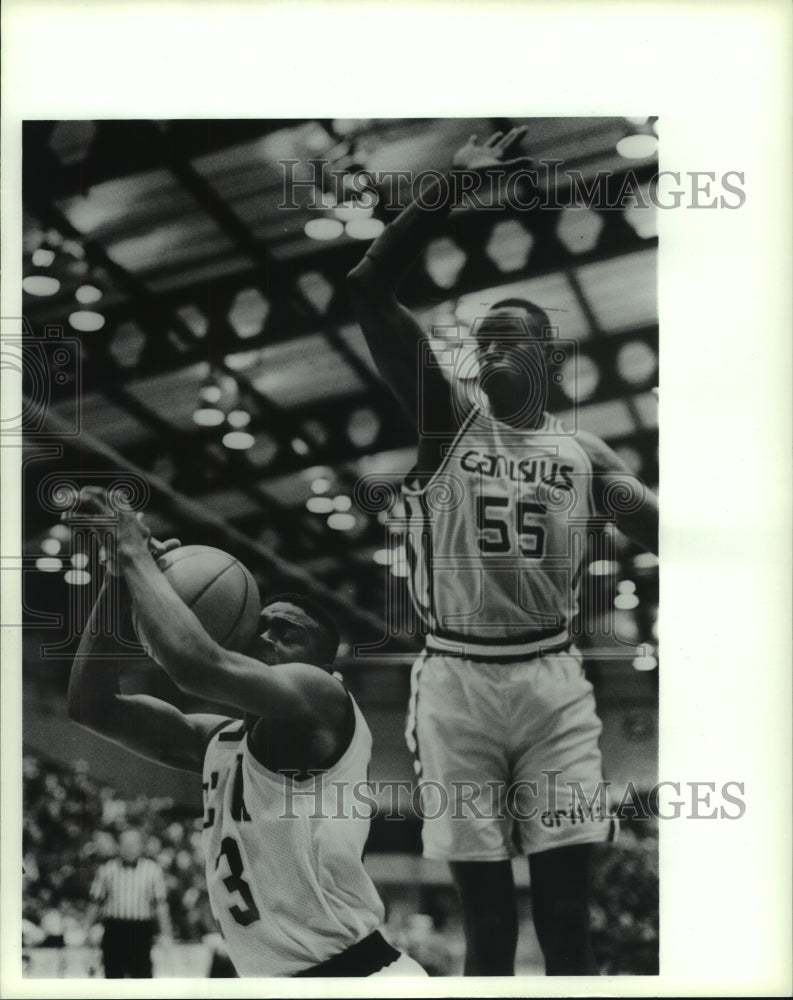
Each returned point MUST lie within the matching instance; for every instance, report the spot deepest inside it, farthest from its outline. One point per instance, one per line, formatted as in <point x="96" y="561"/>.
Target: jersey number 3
<point x="248" y="913"/>
<point x="494" y="520"/>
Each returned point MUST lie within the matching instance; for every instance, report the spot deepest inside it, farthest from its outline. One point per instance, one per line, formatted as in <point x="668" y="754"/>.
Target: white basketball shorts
<point x="507" y="756"/>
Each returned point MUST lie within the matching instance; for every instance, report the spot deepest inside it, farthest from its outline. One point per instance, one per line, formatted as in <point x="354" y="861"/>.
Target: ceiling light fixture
<point x="238" y="440"/>
<point x="86" y="321"/>
<point x="320" y="505"/>
<point x="239" y="419"/>
<point x="341" y="522"/>
<point x="88" y="294"/>
<point x="364" y="229"/>
<point x="299" y="446"/>
<point x="40" y="285"/>
<point x="43" y="257"/>
<point x="208" y="416"/>
<point x="639" y="143"/>
<point x="323" y="229"/>
<point x="49" y="564"/>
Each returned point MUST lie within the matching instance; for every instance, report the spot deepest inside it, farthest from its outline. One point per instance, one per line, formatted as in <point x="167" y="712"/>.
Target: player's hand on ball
<point x="492" y="152"/>
<point x="158" y="549"/>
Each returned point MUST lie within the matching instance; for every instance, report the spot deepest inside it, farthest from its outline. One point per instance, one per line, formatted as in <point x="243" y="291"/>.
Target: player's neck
<point x="514" y="411"/>
<point x="527" y="422"/>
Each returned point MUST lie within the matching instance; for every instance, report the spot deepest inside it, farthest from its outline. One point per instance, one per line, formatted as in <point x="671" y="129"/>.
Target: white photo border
<point x="719" y="78"/>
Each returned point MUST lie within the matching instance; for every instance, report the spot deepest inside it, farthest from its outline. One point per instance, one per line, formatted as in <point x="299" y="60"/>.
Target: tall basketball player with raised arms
<point x="499" y="695"/>
<point x="283" y="833"/>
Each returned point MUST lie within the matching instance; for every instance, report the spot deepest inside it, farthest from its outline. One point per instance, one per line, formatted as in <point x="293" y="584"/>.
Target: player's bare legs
<point x="486" y="890"/>
<point x="560" y="880"/>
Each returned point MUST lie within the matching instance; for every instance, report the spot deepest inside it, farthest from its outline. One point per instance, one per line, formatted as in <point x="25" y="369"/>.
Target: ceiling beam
<point x="181" y="509"/>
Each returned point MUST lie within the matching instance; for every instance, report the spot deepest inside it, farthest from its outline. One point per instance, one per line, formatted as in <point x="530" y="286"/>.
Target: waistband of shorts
<point x="368" y="956"/>
<point x="475" y="649"/>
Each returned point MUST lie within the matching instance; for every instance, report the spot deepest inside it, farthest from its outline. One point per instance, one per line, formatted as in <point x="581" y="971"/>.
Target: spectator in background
<point x="129" y="894"/>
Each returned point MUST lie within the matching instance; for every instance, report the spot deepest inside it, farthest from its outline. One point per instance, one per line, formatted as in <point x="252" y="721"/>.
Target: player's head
<point x="509" y="345"/>
<point x="296" y="629"/>
<point x="130" y="845"/>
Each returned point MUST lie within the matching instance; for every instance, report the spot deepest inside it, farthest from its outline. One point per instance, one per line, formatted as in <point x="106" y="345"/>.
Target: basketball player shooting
<point x="499" y="694"/>
<point x="282" y="838"/>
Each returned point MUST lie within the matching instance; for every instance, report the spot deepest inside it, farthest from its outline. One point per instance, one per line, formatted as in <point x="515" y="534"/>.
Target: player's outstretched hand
<point x="131" y="529"/>
<point x="498" y="150"/>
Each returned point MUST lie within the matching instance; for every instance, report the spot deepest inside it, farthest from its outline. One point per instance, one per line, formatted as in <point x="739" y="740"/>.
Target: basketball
<point x="219" y="591"/>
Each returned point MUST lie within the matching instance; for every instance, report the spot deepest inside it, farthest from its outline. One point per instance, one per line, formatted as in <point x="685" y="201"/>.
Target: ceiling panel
<point x="104" y="420"/>
<point x="303" y="371"/>
<point x="173" y="396"/>
<point x="622" y="291"/>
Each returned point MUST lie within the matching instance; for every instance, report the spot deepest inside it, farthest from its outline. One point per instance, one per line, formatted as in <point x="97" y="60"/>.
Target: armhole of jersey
<point x="354" y="737"/>
<point x="213" y="734"/>
<point x="250" y="747"/>
<point x="408" y="486"/>
<point x="587" y="462"/>
<point x="219" y="729"/>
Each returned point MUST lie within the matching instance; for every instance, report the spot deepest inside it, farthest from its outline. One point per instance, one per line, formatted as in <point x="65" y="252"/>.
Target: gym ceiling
<point x="213" y="298"/>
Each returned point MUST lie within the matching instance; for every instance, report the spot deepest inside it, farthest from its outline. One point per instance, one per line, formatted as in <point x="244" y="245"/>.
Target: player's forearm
<point x="93" y="682"/>
<point x="392" y="253"/>
<point x="641" y="525"/>
<point x="177" y="639"/>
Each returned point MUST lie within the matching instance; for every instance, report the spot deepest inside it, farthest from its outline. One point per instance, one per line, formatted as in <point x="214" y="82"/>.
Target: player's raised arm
<point x="637" y="517"/>
<point x="199" y="666"/>
<point x="147" y="726"/>
<point x="391" y="331"/>
<point x="305" y="695"/>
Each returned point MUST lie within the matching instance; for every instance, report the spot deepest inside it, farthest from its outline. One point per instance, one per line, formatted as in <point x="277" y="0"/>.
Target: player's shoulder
<point x="317" y="733"/>
<point x="313" y="682"/>
<point x="602" y="457"/>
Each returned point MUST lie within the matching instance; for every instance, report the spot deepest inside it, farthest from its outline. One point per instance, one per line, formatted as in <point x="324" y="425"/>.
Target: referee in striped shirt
<point x="129" y="894"/>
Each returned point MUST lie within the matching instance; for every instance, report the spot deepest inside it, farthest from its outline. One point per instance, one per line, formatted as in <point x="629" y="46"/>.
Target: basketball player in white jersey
<point x="494" y="504"/>
<point x="283" y="832"/>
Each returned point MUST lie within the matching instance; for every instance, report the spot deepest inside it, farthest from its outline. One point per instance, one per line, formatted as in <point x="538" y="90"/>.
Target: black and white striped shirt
<point x="129" y="892"/>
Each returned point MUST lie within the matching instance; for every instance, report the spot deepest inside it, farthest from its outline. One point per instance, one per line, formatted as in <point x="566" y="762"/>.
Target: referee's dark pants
<point x="126" y="948"/>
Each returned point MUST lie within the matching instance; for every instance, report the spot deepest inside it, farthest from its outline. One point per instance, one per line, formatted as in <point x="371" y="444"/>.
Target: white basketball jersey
<point x="496" y="539"/>
<point x="284" y="859"/>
